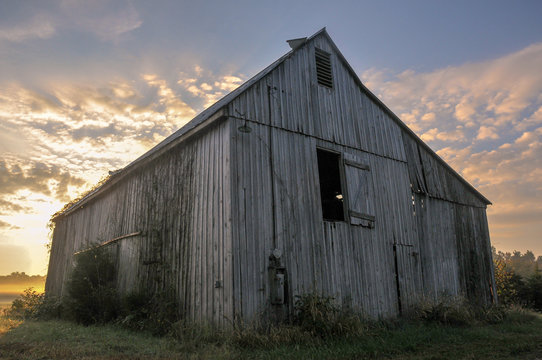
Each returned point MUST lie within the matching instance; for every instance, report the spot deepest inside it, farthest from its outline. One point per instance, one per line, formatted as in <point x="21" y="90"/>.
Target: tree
<point x="509" y="284"/>
<point x="533" y="291"/>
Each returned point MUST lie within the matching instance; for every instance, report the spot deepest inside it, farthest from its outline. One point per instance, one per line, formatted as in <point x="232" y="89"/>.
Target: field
<point x="10" y="290"/>
<point x="403" y="340"/>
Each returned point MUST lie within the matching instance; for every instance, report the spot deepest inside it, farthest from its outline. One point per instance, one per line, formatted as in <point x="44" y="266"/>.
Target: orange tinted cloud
<point x="208" y="86"/>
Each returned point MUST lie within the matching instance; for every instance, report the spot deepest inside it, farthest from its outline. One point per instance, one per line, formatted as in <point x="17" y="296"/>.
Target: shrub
<point x="92" y="297"/>
<point x="33" y="305"/>
<point x="156" y="313"/>
<point x="25" y="306"/>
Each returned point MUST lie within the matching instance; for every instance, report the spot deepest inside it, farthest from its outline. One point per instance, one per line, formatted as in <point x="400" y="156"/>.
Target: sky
<point x="88" y="86"/>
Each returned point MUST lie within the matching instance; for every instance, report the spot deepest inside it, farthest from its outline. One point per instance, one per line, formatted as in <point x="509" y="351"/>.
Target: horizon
<point x="87" y="88"/>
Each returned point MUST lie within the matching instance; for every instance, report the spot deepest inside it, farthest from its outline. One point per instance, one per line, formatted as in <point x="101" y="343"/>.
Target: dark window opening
<point x="330" y="185"/>
<point x="323" y="68"/>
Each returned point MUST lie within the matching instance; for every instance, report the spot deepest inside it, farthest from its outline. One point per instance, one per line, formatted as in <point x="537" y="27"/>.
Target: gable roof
<point x="217" y="111"/>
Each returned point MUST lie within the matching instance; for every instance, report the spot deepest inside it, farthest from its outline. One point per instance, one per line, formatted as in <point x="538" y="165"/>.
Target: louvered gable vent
<point x="323" y="68"/>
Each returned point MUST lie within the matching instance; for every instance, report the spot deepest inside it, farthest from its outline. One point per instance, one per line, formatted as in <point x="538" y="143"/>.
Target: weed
<point x="447" y="310"/>
<point x="455" y="310"/>
<point x="256" y="336"/>
<point x="520" y="315"/>
<point x="320" y="316"/>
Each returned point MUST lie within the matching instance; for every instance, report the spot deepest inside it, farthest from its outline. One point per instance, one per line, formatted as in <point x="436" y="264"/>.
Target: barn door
<point x="407" y="273"/>
<point x="359" y="196"/>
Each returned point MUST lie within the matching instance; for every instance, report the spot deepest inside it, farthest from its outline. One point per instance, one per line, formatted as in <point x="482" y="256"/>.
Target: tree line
<point x="21" y="278"/>
<point x="518" y="278"/>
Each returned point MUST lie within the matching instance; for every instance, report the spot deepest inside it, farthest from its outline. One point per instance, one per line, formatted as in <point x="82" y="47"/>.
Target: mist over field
<point x="13" y="285"/>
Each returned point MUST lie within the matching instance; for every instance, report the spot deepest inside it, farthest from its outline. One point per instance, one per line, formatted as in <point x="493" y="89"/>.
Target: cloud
<point x="67" y="115"/>
<point x="38" y="26"/>
<point x="429" y="117"/>
<point x="487" y="132"/>
<point x="37" y="177"/>
<point x="11" y="140"/>
<point x="207" y="86"/>
<point x="516" y="164"/>
<point x="171" y="104"/>
<point x="5" y="225"/>
<point x="122" y="90"/>
<point x="535" y="119"/>
<point x="432" y="134"/>
<point x="502" y="93"/>
<point x="9" y="207"/>
<point x="108" y="20"/>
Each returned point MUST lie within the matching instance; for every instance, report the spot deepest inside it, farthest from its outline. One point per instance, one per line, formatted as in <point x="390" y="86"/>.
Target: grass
<point x="518" y="337"/>
<point x="424" y="341"/>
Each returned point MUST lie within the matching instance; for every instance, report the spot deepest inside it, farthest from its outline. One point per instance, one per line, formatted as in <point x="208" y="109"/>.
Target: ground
<point x="404" y="340"/>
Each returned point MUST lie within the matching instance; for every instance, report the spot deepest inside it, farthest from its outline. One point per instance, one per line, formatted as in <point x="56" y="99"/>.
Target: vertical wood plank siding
<point x="213" y="209"/>
<point x="290" y="115"/>
<point x="180" y="203"/>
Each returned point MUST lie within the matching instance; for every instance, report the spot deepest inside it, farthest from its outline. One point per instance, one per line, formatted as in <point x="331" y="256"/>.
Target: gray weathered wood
<point x="212" y="202"/>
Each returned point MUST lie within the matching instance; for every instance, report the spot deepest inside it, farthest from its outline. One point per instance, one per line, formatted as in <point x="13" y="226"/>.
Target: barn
<point x="300" y="180"/>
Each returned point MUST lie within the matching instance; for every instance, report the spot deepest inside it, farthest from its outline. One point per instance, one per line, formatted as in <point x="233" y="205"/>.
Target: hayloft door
<point x="360" y="200"/>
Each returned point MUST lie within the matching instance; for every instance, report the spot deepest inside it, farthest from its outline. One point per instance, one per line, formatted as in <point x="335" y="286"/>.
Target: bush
<point x="34" y="305"/>
<point x="91" y="295"/>
<point x="25" y="306"/>
<point x="156" y="313"/>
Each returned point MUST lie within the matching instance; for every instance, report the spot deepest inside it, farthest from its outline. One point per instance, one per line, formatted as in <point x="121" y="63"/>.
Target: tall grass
<point x="449" y="328"/>
<point x="457" y="311"/>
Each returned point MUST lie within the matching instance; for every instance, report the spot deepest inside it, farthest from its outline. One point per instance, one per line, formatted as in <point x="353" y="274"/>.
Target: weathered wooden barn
<point x="299" y="180"/>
